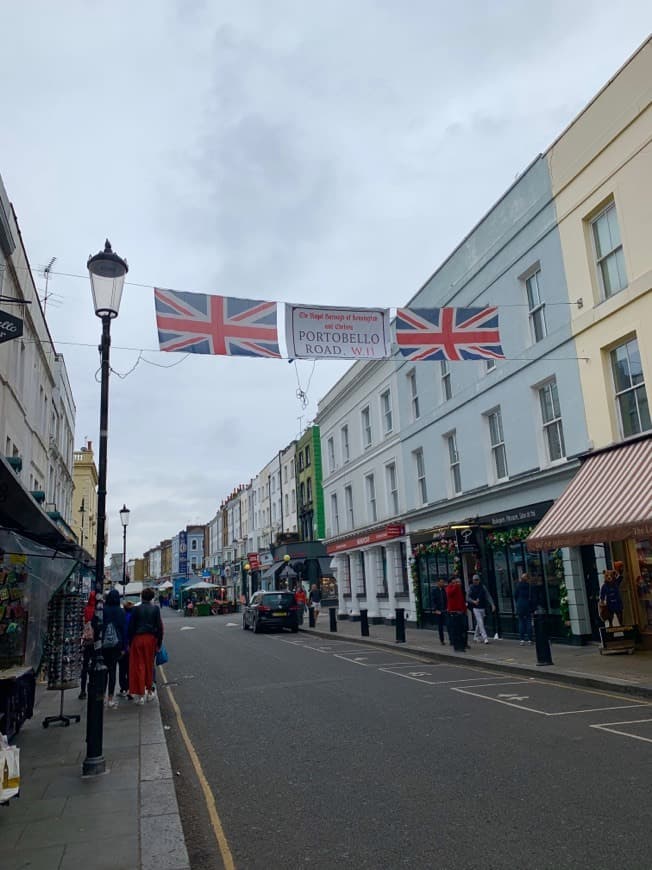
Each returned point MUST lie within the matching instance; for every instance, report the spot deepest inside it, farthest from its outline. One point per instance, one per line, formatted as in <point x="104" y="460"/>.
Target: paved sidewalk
<point x="580" y="665"/>
<point x="125" y="819"/>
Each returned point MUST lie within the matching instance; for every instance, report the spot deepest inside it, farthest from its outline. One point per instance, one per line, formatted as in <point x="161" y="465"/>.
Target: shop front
<point x="605" y="516"/>
<point x="372" y="574"/>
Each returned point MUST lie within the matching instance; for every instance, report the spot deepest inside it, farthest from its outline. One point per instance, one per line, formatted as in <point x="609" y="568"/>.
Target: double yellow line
<point x="216" y="822"/>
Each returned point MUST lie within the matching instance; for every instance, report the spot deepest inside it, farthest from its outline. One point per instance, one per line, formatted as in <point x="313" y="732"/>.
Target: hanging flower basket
<point x="446" y="545"/>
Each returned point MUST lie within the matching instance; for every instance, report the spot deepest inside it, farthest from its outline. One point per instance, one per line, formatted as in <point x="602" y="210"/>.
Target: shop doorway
<point x="592" y="582"/>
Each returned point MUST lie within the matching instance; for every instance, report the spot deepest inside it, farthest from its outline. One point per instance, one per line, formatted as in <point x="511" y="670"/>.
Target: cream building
<point x="84" y="500"/>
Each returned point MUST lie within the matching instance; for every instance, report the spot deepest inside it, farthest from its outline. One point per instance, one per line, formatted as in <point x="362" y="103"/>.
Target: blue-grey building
<point x="487" y="446"/>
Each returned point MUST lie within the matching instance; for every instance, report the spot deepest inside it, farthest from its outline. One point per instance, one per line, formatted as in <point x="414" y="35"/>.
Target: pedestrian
<point x="300" y="597"/>
<point x="123" y="664"/>
<point x="440" y="607"/>
<point x="479" y="599"/>
<point x="314" y="599"/>
<point x="611" y="602"/>
<point x="87" y="643"/>
<point x="145" y="639"/>
<point x="456" y="607"/>
<point x="114" y="640"/>
<point x="525" y="602"/>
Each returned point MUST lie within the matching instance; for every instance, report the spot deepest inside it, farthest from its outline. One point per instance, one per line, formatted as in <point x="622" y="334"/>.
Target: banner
<point x="448" y="333"/>
<point x="10" y="326"/>
<point x="321" y="332"/>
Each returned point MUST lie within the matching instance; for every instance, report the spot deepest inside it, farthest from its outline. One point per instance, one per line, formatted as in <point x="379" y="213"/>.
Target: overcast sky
<point x="275" y="149"/>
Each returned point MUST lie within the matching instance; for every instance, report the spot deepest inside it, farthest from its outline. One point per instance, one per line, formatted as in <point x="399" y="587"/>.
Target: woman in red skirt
<point x="145" y="638"/>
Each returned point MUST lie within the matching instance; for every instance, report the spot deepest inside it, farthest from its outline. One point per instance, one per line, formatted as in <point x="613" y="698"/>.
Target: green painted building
<point x="310" y="495"/>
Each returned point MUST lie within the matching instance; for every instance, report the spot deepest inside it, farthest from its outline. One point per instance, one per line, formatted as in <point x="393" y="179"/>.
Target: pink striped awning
<point x="609" y="499"/>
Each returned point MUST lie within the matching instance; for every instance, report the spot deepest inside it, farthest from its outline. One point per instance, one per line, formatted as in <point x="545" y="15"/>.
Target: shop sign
<point x="183" y="552"/>
<point x="522" y="515"/>
<point x="254" y="561"/>
<point x="467" y="541"/>
<point x="10" y="326"/>
<point x="394" y="530"/>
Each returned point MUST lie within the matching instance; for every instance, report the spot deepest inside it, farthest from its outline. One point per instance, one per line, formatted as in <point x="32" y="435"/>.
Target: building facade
<point x="310" y="497"/>
<point x="84" y="504"/>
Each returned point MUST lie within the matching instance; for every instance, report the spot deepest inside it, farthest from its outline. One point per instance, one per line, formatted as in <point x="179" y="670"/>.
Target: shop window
<point x="344" y="575"/>
<point x="361" y="585"/>
<point x="644" y="584"/>
<point x="381" y="569"/>
<point x="629" y="384"/>
<point x="403" y="569"/>
<point x="551" y="417"/>
<point x="610" y="259"/>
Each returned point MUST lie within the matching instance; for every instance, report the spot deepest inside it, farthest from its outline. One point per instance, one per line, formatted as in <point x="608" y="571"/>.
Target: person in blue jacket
<point x="525" y="602"/>
<point x="114" y="639"/>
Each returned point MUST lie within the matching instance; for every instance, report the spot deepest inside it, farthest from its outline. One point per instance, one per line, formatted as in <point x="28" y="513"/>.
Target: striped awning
<point x="609" y="499"/>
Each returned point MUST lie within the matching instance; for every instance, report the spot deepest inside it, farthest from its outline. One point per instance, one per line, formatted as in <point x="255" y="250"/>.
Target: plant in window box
<point x="499" y="540"/>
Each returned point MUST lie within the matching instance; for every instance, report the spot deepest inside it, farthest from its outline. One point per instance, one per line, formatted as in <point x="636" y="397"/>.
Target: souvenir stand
<point x="63" y="648"/>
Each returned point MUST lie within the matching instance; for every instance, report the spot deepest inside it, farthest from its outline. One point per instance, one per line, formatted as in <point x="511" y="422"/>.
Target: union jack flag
<point x="448" y="333"/>
<point x="199" y="323"/>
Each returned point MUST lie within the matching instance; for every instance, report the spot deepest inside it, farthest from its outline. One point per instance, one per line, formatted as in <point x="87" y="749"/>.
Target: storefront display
<point x="644" y="584"/>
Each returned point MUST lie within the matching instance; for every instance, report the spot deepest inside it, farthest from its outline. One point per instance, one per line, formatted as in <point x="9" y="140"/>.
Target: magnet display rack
<point x="65" y="615"/>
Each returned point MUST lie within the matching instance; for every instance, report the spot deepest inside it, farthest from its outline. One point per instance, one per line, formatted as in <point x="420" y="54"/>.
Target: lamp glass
<point x="286" y="558"/>
<point x="124" y="515"/>
<point x="247" y="566"/>
<point x="107" y="273"/>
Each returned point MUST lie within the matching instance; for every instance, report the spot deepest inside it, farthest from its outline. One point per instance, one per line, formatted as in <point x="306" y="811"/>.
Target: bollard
<point x="311" y="617"/>
<point x="364" y="624"/>
<point x="541" y="640"/>
<point x="332" y="612"/>
<point x="400" y="625"/>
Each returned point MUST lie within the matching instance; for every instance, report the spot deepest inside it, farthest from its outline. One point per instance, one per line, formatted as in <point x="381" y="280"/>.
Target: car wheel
<point x="255" y="627"/>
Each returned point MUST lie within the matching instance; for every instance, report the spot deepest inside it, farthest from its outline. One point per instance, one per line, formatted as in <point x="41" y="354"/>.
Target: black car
<point x="270" y="609"/>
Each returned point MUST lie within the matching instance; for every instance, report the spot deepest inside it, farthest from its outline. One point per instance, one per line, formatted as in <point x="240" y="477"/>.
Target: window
<point x="335" y="515"/>
<point x="309" y="489"/>
<point x="552" y="426"/>
<point x="454" y="463"/>
<point x="610" y="259"/>
<point x="348" y="505"/>
<point x="366" y="426"/>
<point x="346" y="452"/>
<point x="392" y="489"/>
<point x="285" y="474"/>
<point x="301" y="460"/>
<point x="631" y="397"/>
<point x="302" y="494"/>
<point x="193" y="544"/>
<point x="386" y="410"/>
<point x="362" y="577"/>
<point x="414" y="396"/>
<point x="420" y="466"/>
<point x="287" y="503"/>
<point x="371" y="497"/>
<point x="446" y="387"/>
<point x="381" y="579"/>
<point x="536" y="313"/>
<point x="330" y="447"/>
<point x="489" y="365"/>
<point x="307" y="456"/>
<point x="497" y="440"/>
<point x="403" y="573"/>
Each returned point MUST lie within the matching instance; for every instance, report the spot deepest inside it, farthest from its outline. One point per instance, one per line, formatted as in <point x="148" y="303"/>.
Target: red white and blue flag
<point x="448" y="333"/>
<point x="199" y="323"/>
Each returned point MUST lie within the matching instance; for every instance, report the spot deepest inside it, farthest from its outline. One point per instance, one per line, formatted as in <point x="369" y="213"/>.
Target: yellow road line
<point x="216" y="822"/>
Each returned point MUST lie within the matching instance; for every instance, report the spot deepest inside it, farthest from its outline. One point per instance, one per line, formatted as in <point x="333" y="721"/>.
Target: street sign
<point x="10" y="326"/>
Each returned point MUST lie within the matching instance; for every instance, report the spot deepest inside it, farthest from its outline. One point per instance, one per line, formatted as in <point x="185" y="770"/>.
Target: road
<point x="324" y="754"/>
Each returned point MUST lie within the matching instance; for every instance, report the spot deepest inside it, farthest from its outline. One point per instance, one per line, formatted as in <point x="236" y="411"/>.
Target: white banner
<point x="322" y="332"/>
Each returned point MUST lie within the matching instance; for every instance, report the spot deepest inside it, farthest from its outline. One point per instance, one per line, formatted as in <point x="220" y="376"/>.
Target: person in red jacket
<point x="457" y="628"/>
<point x="301" y="598"/>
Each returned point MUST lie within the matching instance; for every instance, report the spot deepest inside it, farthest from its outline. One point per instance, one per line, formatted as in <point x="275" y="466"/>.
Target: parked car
<point x="270" y="610"/>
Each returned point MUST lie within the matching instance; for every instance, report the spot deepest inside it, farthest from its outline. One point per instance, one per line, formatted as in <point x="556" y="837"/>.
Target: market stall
<point x="196" y="601"/>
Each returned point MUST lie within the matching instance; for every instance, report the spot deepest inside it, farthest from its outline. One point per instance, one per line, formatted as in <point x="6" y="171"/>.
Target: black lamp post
<point x="82" y="510"/>
<point x="124" y="519"/>
<point x="107" y="273"/>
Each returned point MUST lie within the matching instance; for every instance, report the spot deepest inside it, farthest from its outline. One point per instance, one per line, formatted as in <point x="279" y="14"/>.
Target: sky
<point x="288" y="150"/>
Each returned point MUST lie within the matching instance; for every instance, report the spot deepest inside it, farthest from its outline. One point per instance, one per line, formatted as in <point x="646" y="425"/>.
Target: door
<point x="592" y="581"/>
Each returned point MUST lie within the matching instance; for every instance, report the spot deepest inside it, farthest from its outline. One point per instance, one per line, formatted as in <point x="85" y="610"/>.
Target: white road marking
<point x="187" y="628"/>
<point x="232" y="623"/>
<point x="608" y="726"/>
<point x="465" y="691"/>
<point x="597" y="709"/>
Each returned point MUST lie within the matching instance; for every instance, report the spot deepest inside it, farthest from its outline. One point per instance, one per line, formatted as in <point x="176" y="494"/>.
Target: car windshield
<point x="278" y="600"/>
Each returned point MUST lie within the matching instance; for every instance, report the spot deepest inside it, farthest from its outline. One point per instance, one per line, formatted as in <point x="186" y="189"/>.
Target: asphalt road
<point x="323" y="754"/>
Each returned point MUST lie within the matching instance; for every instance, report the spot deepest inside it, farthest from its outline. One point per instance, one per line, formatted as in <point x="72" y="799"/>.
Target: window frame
<point x="555" y="421"/>
<point x="391" y="479"/>
<point x="346" y="446"/>
<point x="335" y="519"/>
<point x="367" y="433"/>
<point x="445" y="380"/>
<point x="420" y="474"/>
<point x="330" y="452"/>
<point x="348" y="506"/>
<point x="386" y="411"/>
<point x="415" y="410"/>
<point x="370" y="488"/>
<point x="598" y="259"/>
<point x="536" y="308"/>
<point x="454" y="464"/>
<point x="633" y="388"/>
<point x="497" y="447"/>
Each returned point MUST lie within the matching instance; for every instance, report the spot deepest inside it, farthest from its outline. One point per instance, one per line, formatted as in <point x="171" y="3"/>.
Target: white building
<point x="364" y="493"/>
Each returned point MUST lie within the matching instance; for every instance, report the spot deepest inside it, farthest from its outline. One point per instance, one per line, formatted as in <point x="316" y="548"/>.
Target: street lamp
<point x="124" y="519"/>
<point x="82" y="510"/>
<point x="107" y="273"/>
<point x="286" y="573"/>
<point x="247" y="568"/>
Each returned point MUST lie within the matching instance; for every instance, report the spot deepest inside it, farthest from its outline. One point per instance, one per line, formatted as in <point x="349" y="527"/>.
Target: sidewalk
<point x="579" y="665"/>
<point x="125" y="819"/>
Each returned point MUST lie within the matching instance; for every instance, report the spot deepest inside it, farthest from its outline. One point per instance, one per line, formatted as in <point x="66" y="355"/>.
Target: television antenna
<point x="46" y="274"/>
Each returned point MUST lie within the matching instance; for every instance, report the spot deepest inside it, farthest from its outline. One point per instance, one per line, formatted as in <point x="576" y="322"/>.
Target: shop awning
<point x="270" y="573"/>
<point x="609" y="499"/>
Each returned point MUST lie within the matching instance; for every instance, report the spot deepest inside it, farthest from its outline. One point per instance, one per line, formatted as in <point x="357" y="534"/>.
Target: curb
<point x="501" y="667"/>
<point x="162" y="841"/>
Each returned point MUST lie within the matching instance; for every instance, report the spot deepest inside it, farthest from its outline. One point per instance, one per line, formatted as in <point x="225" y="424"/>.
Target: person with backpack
<point x="114" y="640"/>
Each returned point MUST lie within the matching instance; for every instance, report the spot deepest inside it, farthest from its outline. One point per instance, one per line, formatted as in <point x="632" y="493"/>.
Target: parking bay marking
<point x="515" y="700"/>
<point x="608" y="726"/>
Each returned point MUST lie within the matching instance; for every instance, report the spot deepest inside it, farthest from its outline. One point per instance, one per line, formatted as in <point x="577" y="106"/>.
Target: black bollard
<point x="400" y="625"/>
<point x="541" y="640"/>
<point x="332" y="612"/>
<point x="364" y="624"/>
<point x="311" y="617"/>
